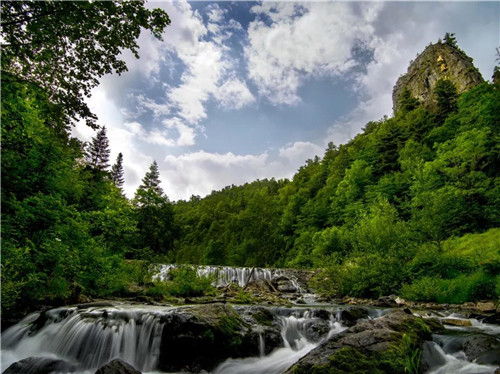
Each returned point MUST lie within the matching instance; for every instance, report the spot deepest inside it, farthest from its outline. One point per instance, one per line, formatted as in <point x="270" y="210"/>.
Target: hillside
<point x="409" y="206"/>
<point x="378" y="212"/>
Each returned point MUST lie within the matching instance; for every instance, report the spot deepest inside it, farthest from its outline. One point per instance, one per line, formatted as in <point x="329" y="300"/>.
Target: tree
<point x="65" y="46"/>
<point x="155" y="217"/>
<point x="117" y="172"/>
<point x="150" y="193"/>
<point x="98" y="151"/>
<point x="446" y="98"/>
<point x="407" y="102"/>
<point x="449" y="38"/>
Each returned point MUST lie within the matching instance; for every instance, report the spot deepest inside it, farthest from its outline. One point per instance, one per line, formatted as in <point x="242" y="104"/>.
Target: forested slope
<point x="409" y="206"/>
<point x="377" y="212"/>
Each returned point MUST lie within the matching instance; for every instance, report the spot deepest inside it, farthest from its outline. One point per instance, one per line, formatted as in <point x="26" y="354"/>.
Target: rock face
<point x="117" y="367"/>
<point x="369" y="346"/>
<point x="437" y="61"/>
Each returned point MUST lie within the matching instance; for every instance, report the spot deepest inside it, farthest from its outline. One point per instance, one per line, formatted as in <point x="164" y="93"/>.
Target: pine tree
<point x="150" y="192"/>
<point x="449" y="38"/>
<point x="98" y="151"/>
<point x="117" y="172"/>
<point x="154" y="213"/>
<point x="446" y="97"/>
<point x="407" y="102"/>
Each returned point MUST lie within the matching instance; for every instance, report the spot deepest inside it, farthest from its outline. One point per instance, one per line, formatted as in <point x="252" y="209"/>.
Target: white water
<point x="296" y="346"/>
<point x="92" y="337"/>
<point x="89" y="338"/>
<point x="458" y="364"/>
<point x="225" y="275"/>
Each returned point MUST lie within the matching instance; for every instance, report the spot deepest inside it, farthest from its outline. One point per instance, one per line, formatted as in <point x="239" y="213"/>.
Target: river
<point x="87" y="338"/>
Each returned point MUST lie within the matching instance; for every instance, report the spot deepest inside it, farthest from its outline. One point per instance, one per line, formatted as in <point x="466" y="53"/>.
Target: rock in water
<point x="437" y="61"/>
<point x="117" y="367"/>
<point x="39" y="365"/>
<point x="457" y="322"/>
<point x="370" y="346"/>
<point x="199" y="337"/>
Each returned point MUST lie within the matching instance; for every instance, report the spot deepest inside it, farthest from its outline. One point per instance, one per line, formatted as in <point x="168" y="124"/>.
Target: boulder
<point x="117" y="366"/>
<point x="482" y="349"/>
<point x="39" y="365"/>
<point x="457" y="322"/>
<point x="350" y="316"/>
<point x="493" y="319"/>
<point x="486" y="307"/>
<point x="368" y="346"/>
<point x="387" y="301"/>
<point x="199" y="337"/>
<point x="284" y="284"/>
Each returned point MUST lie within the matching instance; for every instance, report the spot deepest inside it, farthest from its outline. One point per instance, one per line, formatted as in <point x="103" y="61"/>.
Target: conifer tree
<point x="446" y="97"/>
<point x="155" y="217"/>
<point x="150" y="192"/>
<point x="117" y="172"/>
<point x="98" y="151"/>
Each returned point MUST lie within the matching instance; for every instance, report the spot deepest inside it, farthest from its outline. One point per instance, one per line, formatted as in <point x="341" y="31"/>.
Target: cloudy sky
<point x="241" y="90"/>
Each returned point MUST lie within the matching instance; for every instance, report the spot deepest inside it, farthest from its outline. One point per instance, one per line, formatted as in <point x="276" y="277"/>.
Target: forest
<point x="410" y="206"/>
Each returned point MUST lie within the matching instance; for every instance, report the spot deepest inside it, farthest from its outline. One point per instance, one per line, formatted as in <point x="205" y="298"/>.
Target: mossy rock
<point x="199" y="337"/>
<point x="390" y="344"/>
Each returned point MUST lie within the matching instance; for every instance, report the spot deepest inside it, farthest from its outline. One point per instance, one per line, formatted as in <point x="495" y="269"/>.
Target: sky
<point x="239" y="91"/>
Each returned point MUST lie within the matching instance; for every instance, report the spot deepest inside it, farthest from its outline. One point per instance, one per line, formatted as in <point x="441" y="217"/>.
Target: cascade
<point x="225" y="275"/>
<point x="297" y="341"/>
<point x="88" y="338"/>
<point x="456" y="363"/>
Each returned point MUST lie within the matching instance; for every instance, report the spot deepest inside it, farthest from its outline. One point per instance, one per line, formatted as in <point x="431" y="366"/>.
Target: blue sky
<point x="243" y="90"/>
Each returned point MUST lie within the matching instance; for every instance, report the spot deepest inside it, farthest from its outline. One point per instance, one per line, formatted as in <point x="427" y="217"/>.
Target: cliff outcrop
<point x="437" y="61"/>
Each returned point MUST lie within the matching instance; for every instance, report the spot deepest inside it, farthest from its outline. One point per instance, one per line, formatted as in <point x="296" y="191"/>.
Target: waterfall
<point x="297" y="341"/>
<point x="225" y="275"/>
<point x="455" y="363"/>
<point x="89" y="338"/>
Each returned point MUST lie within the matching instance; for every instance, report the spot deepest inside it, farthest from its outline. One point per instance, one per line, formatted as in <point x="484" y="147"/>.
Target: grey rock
<point x="39" y="365"/>
<point x="437" y="61"/>
<point x="117" y="366"/>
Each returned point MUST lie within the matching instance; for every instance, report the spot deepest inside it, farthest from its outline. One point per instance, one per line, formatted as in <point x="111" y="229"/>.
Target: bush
<point x="478" y="285"/>
<point x="184" y="281"/>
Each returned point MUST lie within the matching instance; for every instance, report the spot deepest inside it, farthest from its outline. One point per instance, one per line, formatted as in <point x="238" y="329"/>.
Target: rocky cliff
<point x="437" y="61"/>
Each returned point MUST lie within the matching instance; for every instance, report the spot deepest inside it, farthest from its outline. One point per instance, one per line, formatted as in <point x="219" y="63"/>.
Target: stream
<point x="87" y="338"/>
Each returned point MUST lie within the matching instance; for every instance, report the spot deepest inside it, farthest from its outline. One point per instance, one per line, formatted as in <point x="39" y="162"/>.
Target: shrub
<point x="184" y="281"/>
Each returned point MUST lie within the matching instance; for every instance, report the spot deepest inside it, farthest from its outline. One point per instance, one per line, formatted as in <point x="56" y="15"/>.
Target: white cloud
<point x="297" y="153"/>
<point x="186" y="133"/>
<point x="208" y="67"/>
<point x="199" y="173"/>
<point x="303" y="41"/>
<point x="234" y="94"/>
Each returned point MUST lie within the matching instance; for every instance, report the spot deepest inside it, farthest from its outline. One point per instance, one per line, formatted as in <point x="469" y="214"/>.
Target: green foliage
<point x="411" y="204"/>
<point x="184" y="282"/>
<point x="461" y="269"/>
<point x="243" y="297"/>
<point x="446" y="96"/>
<point x="64" y="46"/>
<point x="407" y="103"/>
<point x="154" y="214"/>
<point x="65" y="226"/>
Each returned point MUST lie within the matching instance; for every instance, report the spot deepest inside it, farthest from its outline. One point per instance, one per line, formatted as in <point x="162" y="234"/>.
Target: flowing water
<point x="226" y="275"/>
<point x="88" y="338"/>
